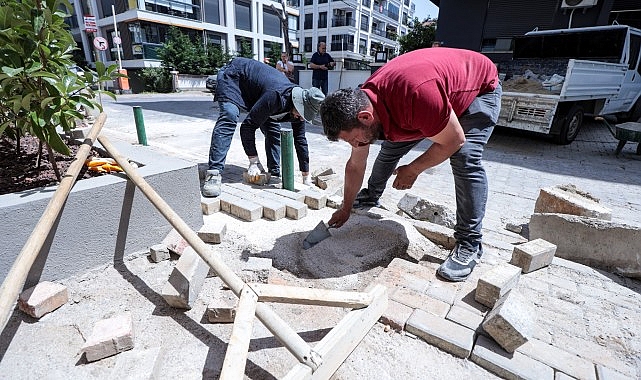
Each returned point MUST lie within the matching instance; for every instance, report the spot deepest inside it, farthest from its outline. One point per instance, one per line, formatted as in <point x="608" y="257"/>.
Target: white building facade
<point x="355" y="31"/>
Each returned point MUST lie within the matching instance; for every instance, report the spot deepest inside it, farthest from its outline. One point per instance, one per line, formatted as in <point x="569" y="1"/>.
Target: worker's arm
<point x="354" y="174"/>
<point x="444" y="144"/>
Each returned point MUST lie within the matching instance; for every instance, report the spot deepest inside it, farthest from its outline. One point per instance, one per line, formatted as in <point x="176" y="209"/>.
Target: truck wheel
<point x="571" y="126"/>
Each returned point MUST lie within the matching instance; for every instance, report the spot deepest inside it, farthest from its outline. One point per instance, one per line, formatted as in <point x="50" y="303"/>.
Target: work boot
<point x="460" y="263"/>
<point x="213" y="181"/>
<point x="364" y="199"/>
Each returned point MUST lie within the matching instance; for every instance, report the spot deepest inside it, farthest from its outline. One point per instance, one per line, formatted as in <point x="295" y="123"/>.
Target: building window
<point x="322" y="20"/>
<point x="177" y="8"/>
<point x="212" y="11"/>
<point x="307" y="47"/>
<point x="271" y="23"/>
<point x="309" y="21"/>
<point x="362" y="46"/>
<point x="365" y="23"/>
<point x="342" y="42"/>
<point x="243" y="15"/>
<point x="366" y="3"/>
<point x="309" y="2"/>
<point x="322" y="1"/>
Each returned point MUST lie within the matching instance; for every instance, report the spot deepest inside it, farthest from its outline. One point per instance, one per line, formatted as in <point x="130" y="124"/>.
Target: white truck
<point x="598" y="73"/>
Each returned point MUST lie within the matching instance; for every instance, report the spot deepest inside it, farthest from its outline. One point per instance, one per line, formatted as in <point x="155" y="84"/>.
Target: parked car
<point x="211" y="83"/>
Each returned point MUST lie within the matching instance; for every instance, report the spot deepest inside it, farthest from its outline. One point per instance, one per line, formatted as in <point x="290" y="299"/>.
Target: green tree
<point x="217" y="57"/>
<point x="181" y="54"/>
<point x="274" y="54"/>
<point x="38" y="91"/>
<point x="421" y="35"/>
<point x="245" y="49"/>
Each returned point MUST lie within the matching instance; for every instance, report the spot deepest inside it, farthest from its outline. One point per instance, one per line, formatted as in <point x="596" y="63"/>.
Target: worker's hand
<point x="339" y="217"/>
<point x="405" y="177"/>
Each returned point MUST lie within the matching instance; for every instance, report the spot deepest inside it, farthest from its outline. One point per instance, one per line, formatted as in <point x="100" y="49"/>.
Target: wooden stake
<point x="307" y="296"/>
<point x="238" y="348"/>
<point x="13" y="283"/>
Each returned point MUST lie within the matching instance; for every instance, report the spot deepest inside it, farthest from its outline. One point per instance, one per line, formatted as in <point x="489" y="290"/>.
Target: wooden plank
<point x="336" y="346"/>
<point x="238" y="347"/>
<point x="310" y="296"/>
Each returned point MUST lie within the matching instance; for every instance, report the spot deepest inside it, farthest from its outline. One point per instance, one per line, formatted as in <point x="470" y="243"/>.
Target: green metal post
<point x="287" y="158"/>
<point x="140" y="126"/>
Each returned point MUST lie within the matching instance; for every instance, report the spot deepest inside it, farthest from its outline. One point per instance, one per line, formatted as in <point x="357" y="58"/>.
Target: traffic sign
<point x="117" y="40"/>
<point x="100" y="43"/>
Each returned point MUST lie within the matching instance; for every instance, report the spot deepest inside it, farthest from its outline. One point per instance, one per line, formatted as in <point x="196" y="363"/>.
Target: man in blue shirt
<point x="320" y="63"/>
<point x="269" y="98"/>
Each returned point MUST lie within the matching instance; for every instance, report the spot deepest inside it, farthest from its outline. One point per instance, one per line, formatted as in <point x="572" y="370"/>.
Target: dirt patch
<point x="20" y="169"/>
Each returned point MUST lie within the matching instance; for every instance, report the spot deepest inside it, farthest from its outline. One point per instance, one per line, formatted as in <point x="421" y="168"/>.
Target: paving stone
<point x="444" y="291"/>
<point x="420" y="301"/>
<point x="209" y="205"/>
<point x="293" y="209"/>
<point x="213" y="232"/>
<point x="598" y="354"/>
<point x="465" y="298"/>
<point x="559" y="359"/>
<point x="288" y="194"/>
<point x="314" y="199"/>
<point x="562" y="376"/>
<point x="436" y="233"/>
<point x="158" y="253"/>
<point x="222" y="309"/>
<point x="533" y="255"/>
<point x="511" y="321"/>
<point x="444" y="334"/>
<point x="605" y="373"/>
<point x="109" y="337"/>
<point x="567" y="199"/>
<point x="334" y="201"/>
<point x="465" y="317"/>
<point x="396" y="315"/>
<point x="175" y="242"/>
<point x="422" y="209"/>
<point x="489" y="355"/>
<point x="496" y="282"/>
<point x="185" y="280"/>
<point x="256" y="269"/>
<point x="42" y="298"/>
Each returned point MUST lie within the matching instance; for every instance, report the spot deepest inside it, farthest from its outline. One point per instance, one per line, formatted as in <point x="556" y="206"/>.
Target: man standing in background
<point x="320" y="63"/>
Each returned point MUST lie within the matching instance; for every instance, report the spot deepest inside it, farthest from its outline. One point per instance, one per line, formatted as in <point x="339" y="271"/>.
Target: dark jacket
<point x="255" y="87"/>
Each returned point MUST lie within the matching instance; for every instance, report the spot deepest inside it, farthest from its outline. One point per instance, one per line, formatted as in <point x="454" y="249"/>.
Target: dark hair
<point x="339" y="111"/>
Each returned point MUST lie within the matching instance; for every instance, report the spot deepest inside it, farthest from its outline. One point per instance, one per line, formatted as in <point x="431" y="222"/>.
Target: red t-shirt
<point x="414" y="93"/>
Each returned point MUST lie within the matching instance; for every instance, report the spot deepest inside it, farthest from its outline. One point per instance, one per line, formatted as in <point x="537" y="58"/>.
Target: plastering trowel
<point x="318" y="234"/>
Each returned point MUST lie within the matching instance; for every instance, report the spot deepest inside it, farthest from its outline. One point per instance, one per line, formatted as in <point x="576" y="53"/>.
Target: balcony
<point x="176" y="8"/>
<point x="384" y="33"/>
<point x="343" y="22"/>
<point x="339" y="46"/>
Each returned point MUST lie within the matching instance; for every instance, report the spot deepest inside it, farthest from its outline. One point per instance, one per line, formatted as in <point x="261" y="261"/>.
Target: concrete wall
<point x="590" y="241"/>
<point x="104" y="218"/>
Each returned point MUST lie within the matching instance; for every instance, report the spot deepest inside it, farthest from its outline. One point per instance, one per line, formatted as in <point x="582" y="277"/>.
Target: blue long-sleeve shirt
<point x="255" y="87"/>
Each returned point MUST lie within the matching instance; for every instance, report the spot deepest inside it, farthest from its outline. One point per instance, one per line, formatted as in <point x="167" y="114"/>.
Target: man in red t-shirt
<point x="451" y="97"/>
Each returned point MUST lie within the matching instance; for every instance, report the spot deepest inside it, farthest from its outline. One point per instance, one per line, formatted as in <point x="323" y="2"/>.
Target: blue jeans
<point x="300" y="144"/>
<point x="271" y="130"/>
<point x="320" y="83"/>
<point x="223" y="134"/>
<point x="470" y="180"/>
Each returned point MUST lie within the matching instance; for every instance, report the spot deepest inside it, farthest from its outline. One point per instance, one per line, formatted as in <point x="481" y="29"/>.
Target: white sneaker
<point x="213" y="181"/>
<point x="307" y="180"/>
